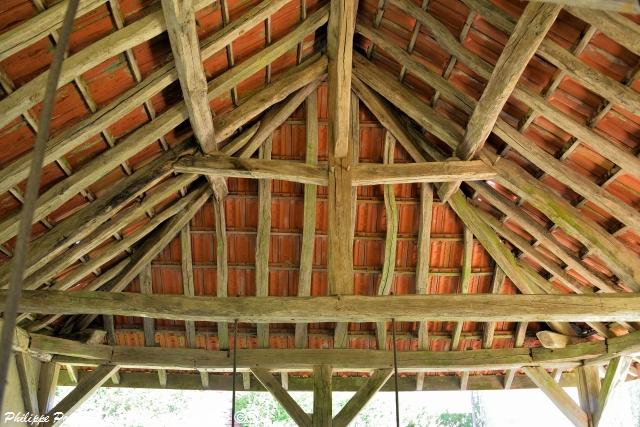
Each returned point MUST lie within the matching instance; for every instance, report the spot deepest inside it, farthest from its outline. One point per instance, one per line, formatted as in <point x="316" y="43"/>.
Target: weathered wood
<point x="340" y="30"/>
<point x="531" y="29"/>
<point x="423" y="257"/>
<point x="222" y="266"/>
<point x="542" y="235"/>
<point x="616" y="374"/>
<point x="489" y="328"/>
<point x="551" y="51"/>
<point x="350" y="308"/>
<point x="263" y="238"/>
<point x="588" y="388"/>
<point x="550" y="339"/>
<point x="322" y="402"/>
<point x="29" y="94"/>
<point x="280" y="394"/>
<point x="309" y="215"/>
<point x="557" y="395"/>
<point x="148" y="323"/>
<point x="226" y="166"/>
<point x="623" y="6"/>
<point x="359" y="400"/>
<point x="28" y="388"/>
<point x="89" y="385"/>
<point x="47" y="382"/>
<point x="185" y="380"/>
<point x="521" y="332"/>
<point x="465" y="279"/>
<point x="181" y="27"/>
<point x="187" y="279"/>
<point x="40" y="26"/>
<point x="619" y="258"/>
<point x="75" y="353"/>
<point x="373" y="174"/>
<point x="579" y="183"/>
<point x="616" y="26"/>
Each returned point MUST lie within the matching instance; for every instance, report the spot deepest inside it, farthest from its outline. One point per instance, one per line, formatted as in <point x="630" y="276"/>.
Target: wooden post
<point x="263" y="237"/>
<point x="322" y="402"/>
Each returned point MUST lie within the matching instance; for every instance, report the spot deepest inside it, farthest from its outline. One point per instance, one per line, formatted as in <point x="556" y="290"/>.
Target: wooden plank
<point x="25" y="365"/>
<point x="340" y="30"/>
<point x="322" y="402"/>
<point x="280" y="394"/>
<point x="309" y="215"/>
<point x="557" y="395"/>
<point x="391" y="240"/>
<point x="531" y="29"/>
<point x="222" y="266"/>
<point x="187" y="280"/>
<point x="148" y="323"/>
<point x="623" y="6"/>
<point x="359" y="400"/>
<point x="263" y="237"/>
<point x="181" y="27"/>
<point x="465" y="279"/>
<point x="374" y="174"/>
<point x="89" y="385"/>
<point x="616" y="374"/>
<point x="489" y="328"/>
<point x="349" y="308"/>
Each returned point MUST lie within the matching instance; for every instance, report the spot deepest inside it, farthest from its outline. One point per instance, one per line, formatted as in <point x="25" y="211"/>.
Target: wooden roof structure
<point x="304" y="174"/>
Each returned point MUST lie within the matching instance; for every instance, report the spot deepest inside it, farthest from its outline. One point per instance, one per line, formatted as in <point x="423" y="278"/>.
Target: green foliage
<point x="448" y="419"/>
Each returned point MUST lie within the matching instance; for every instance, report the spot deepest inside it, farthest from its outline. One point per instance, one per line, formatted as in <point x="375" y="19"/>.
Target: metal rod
<point x="395" y="371"/>
<point x="233" y="379"/>
<point x="19" y="260"/>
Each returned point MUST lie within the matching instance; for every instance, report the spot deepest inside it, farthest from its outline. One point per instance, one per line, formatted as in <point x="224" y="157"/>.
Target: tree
<point x="478" y="413"/>
<point x="448" y="419"/>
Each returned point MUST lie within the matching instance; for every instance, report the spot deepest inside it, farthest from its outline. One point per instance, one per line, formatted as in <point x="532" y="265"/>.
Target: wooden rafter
<point x="263" y="242"/>
<point x="624" y="6"/>
<point x="531" y="29"/>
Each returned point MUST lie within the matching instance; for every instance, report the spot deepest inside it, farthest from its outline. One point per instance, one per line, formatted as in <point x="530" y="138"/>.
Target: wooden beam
<point x="359" y="400"/>
<point x="342" y="17"/>
<point x="85" y="388"/>
<point x="28" y="381"/>
<point x="551" y="51"/>
<point x="588" y="388"/>
<point x="465" y="281"/>
<point x="623" y="6"/>
<point x="489" y="328"/>
<point x="373" y="174"/>
<point x="351" y="308"/>
<point x="557" y="395"/>
<point x="531" y="29"/>
<point x="614" y="25"/>
<point x="616" y="374"/>
<point x="309" y="215"/>
<point x="619" y="258"/>
<point x="146" y="287"/>
<point x="181" y="27"/>
<point x="263" y="238"/>
<point x="47" y="382"/>
<point x="322" y="402"/>
<point x="282" y="396"/>
<point x="226" y="166"/>
<point x="187" y="280"/>
<point x="385" y="285"/>
<point x="222" y="266"/>
<point x="423" y="257"/>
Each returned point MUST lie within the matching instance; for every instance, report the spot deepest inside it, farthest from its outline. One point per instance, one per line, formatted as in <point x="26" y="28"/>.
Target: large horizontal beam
<point x="76" y="353"/>
<point x="185" y="380"/>
<point x="455" y="307"/>
<point x="362" y="174"/>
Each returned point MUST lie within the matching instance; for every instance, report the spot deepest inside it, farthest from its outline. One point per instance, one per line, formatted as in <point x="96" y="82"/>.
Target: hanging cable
<point x="235" y="368"/>
<point x="30" y="199"/>
<point x="395" y="370"/>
